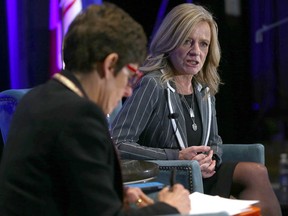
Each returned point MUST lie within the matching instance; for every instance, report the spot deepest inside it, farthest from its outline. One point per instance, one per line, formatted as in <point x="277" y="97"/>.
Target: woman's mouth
<point x="193" y="62"/>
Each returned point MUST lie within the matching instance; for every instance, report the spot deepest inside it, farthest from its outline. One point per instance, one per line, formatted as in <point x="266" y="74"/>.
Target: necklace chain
<point x="190" y="110"/>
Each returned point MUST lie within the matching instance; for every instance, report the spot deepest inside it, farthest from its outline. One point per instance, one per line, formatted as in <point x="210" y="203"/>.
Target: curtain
<point x="269" y="58"/>
<point x="30" y="41"/>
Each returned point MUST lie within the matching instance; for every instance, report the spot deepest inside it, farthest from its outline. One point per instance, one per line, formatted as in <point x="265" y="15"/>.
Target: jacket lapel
<point x="204" y="104"/>
<point x="205" y="111"/>
<point x="176" y="106"/>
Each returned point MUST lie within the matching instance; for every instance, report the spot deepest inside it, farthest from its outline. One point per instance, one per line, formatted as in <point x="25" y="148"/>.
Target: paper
<point x="202" y="203"/>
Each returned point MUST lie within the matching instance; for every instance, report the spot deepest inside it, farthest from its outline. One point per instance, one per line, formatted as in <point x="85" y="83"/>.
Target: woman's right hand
<point x="177" y="196"/>
<point x="191" y="152"/>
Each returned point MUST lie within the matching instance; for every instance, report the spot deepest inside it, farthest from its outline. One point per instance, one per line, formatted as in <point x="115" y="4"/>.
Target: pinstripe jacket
<point x="143" y="129"/>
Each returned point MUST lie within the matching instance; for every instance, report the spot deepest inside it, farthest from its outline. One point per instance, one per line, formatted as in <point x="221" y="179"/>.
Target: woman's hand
<point x="203" y="154"/>
<point x="191" y="152"/>
<point x="177" y="196"/>
<point x="136" y="196"/>
<point x="207" y="164"/>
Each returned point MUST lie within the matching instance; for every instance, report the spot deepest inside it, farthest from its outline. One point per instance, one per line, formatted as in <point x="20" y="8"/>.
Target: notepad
<point x="202" y="203"/>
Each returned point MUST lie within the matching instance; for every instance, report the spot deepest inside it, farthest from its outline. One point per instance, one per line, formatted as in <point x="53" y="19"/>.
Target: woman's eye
<point x="188" y="42"/>
<point x="204" y="44"/>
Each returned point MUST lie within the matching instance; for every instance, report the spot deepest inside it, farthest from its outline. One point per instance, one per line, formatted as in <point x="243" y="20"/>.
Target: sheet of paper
<point x="202" y="203"/>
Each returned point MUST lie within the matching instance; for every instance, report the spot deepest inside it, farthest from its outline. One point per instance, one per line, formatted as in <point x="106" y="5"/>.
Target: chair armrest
<point x="244" y="152"/>
<point x="188" y="173"/>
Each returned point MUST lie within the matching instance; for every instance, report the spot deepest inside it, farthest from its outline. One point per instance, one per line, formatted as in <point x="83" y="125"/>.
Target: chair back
<point x="253" y="152"/>
<point x="9" y="100"/>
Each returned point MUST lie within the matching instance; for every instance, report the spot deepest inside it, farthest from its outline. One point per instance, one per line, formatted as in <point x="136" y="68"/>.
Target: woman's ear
<point x="109" y="64"/>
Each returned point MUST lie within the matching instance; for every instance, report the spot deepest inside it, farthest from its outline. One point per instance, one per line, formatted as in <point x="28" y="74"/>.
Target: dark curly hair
<point x="100" y="30"/>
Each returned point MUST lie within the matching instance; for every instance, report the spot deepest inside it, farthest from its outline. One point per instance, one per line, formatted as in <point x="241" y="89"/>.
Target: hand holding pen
<point x="175" y="195"/>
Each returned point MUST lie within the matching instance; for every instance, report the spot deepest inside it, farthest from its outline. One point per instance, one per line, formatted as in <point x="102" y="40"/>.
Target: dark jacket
<point x="60" y="159"/>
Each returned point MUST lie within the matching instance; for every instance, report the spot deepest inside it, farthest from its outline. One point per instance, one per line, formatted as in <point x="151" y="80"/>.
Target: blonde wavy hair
<point x="174" y="30"/>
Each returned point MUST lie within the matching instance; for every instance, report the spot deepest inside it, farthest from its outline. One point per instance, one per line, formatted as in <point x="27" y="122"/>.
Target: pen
<point x="172" y="178"/>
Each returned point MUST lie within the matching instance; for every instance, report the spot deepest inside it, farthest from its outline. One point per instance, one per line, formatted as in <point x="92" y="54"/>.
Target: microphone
<point x="173" y="136"/>
<point x="173" y="115"/>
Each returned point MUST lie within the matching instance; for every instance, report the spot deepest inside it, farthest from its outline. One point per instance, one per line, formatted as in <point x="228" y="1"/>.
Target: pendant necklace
<point x="190" y="110"/>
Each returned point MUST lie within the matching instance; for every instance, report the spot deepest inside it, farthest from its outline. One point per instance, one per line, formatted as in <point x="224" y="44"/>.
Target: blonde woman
<point x="171" y="114"/>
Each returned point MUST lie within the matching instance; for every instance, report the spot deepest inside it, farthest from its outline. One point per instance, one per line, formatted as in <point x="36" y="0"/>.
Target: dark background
<point x="252" y="104"/>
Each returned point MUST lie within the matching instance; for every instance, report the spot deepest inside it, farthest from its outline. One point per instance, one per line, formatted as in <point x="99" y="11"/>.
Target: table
<point x="138" y="171"/>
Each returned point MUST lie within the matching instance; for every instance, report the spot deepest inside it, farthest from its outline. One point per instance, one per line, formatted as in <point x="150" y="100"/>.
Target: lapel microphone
<point x="173" y="115"/>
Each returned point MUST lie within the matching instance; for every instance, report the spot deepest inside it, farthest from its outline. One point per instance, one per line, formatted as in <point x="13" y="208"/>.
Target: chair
<point x="188" y="172"/>
<point x="9" y="99"/>
<point x="244" y="152"/>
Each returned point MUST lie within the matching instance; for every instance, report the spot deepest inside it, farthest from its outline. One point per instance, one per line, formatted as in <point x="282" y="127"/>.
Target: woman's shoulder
<point x="152" y="77"/>
<point x="150" y="84"/>
<point x="153" y="74"/>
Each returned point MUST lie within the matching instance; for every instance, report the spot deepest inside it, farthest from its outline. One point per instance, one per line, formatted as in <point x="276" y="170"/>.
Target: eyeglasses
<point x="135" y="75"/>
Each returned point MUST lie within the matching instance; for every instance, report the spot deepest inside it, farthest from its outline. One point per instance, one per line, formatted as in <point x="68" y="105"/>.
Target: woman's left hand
<point x="207" y="164"/>
<point x="208" y="170"/>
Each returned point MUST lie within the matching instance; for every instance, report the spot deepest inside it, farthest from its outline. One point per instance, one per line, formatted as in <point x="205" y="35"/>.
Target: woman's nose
<point x="194" y="50"/>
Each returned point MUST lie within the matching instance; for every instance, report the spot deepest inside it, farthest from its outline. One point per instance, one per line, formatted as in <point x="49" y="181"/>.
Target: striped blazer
<point x="151" y="123"/>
